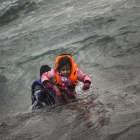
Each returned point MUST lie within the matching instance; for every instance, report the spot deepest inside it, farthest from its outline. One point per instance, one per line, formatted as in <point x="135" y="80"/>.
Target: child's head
<point x="64" y="66"/>
<point x="43" y="69"/>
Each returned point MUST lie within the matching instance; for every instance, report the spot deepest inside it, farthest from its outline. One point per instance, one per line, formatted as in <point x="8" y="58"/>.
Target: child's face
<point x="65" y="70"/>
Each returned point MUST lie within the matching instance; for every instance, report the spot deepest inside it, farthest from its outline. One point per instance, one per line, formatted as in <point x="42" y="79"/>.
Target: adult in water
<point x="39" y="94"/>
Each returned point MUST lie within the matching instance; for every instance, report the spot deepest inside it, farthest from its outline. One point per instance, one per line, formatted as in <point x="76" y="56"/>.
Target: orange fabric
<point x="73" y="75"/>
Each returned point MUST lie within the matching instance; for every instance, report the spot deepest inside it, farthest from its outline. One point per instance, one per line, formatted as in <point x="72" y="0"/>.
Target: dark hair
<point x="43" y="69"/>
<point x="63" y="61"/>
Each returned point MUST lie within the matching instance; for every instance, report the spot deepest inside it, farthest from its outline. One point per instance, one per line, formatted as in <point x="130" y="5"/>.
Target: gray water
<point x="103" y="37"/>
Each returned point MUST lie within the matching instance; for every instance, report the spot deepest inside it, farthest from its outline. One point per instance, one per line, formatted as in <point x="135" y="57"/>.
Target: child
<point x="39" y="94"/>
<point x="66" y="73"/>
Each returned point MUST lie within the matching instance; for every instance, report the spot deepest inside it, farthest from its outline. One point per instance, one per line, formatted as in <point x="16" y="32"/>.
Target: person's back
<point x="40" y="96"/>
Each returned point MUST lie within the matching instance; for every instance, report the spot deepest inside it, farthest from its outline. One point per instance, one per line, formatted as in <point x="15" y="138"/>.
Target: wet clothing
<point x="39" y="93"/>
<point x="47" y="76"/>
<point x="52" y="74"/>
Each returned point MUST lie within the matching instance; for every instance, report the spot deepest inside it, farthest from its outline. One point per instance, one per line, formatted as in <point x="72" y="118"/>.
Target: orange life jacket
<point x="73" y="75"/>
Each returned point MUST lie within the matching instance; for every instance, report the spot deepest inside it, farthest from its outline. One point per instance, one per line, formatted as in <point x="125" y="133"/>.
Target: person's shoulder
<point x="52" y="72"/>
<point x="77" y="69"/>
<point x="53" y="69"/>
<point x="37" y="82"/>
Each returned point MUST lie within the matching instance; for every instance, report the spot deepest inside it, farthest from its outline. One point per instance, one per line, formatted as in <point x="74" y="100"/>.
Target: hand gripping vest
<point x="73" y="75"/>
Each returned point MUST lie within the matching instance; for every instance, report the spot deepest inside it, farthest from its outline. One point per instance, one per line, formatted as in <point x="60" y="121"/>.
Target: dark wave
<point x="14" y="10"/>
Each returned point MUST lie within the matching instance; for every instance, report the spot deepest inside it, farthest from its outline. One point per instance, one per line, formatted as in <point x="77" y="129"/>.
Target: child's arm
<point x="83" y="78"/>
<point x="47" y="76"/>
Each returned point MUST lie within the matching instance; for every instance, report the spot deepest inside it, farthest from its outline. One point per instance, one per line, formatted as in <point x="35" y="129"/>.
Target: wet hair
<point x="64" y="61"/>
<point x="43" y="69"/>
